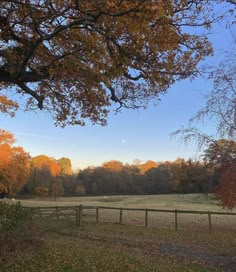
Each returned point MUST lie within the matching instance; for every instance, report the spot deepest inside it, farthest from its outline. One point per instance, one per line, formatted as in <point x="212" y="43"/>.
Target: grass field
<point x="61" y="246"/>
<point x="197" y="202"/>
<point x="180" y="201"/>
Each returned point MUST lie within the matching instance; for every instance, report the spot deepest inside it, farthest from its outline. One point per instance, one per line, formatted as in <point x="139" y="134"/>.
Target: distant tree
<point x="113" y="165"/>
<point x="14" y="165"/>
<point x="45" y="162"/>
<point x="189" y="176"/>
<point x="66" y="167"/>
<point x="74" y="58"/>
<point x="158" y="180"/>
<point x="41" y="191"/>
<point x="146" y="166"/>
<point x="44" y="172"/>
<point x="56" y="189"/>
<point x="69" y="183"/>
<point x="80" y="190"/>
<point x="179" y="176"/>
<point x="86" y="178"/>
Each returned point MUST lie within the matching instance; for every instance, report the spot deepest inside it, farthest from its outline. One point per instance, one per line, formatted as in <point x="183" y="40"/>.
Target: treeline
<point x="43" y="176"/>
<point x="48" y="177"/>
<point x="53" y="178"/>
<point x="180" y="176"/>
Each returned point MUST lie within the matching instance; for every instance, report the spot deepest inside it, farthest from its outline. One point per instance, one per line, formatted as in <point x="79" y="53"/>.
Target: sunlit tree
<point x="14" y="165"/>
<point x="44" y="177"/>
<point x="66" y="167"/>
<point x="76" y="58"/>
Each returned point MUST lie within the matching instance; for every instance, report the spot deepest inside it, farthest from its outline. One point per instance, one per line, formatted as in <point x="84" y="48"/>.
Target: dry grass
<point x="118" y="248"/>
<point x="181" y="202"/>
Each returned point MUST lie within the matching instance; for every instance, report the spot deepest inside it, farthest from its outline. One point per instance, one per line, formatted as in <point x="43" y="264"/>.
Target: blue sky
<point x="129" y="135"/>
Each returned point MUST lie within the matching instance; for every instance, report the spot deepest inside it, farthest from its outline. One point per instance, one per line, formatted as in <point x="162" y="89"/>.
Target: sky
<point x="130" y="134"/>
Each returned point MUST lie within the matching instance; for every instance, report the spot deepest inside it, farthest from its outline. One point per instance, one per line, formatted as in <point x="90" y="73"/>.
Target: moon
<point x="123" y="141"/>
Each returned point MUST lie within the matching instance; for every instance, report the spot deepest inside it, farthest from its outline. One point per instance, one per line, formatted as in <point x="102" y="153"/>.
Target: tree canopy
<point x="14" y="165"/>
<point x="46" y="175"/>
<point x="66" y="167"/>
<point x="75" y="58"/>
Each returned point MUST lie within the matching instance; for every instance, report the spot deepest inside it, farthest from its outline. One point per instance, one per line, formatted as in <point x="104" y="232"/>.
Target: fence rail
<point x="78" y="212"/>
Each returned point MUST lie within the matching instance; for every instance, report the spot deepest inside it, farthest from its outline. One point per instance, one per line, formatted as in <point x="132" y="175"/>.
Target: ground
<point x="61" y="246"/>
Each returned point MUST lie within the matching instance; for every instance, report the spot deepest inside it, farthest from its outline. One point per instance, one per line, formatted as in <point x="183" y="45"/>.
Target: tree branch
<point x="26" y="89"/>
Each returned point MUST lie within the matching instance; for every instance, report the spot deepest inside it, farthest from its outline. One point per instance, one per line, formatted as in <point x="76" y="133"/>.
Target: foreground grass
<point x="62" y="247"/>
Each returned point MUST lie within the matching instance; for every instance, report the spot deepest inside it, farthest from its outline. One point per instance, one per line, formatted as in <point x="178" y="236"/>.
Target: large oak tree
<point x="75" y="58"/>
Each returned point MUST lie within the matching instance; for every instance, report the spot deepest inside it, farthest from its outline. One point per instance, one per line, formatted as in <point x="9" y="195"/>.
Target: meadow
<point x="61" y="246"/>
<point x="173" y="201"/>
<point x="190" y="202"/>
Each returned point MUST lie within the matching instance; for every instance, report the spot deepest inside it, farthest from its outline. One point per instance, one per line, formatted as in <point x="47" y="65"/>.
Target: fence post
<point x="97" y="215"/>
<point x="31" y="213"/>
<point x="57" y="215"/>
<point x="146" y="218"/>
<point x="121" y="211"/>
<point x="209" y="220"/>
<point x="77" y="216"/>
<point x="176" y="220"/>
<point x="80" y="214"/>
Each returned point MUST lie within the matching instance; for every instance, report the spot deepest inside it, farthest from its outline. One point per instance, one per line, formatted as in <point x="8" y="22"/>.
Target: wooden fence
<point x="77" y="213"/>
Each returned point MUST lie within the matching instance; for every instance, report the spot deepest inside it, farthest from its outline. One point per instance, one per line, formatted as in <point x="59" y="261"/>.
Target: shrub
<point x="12" y="216"/>
<point x="16" y="233"/>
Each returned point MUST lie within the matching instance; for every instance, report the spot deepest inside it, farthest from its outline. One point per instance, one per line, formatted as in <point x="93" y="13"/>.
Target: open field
<point x="191" y="202"/>
<point x="59" y="245"/>
<point x="180" y="201"/>
<point x="63" y="247"/>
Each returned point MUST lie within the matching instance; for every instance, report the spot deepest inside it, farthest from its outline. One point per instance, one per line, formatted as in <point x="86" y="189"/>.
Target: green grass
<point x="114" y="247"/>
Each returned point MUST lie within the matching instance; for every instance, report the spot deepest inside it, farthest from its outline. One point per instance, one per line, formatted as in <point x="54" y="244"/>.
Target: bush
<point x="12" y="215"/>
<point x="16" y="232"/>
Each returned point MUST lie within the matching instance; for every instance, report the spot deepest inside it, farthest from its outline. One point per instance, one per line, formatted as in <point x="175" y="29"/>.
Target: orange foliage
<point x="7" y="106"/>
<point x="6" y="137"/>
<point x="147" y="166"/>
<point x="44" y="162"/>
<point x="113" y="165"/>
<point x="14" y="165"/>
<point x="80" y="55"/>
